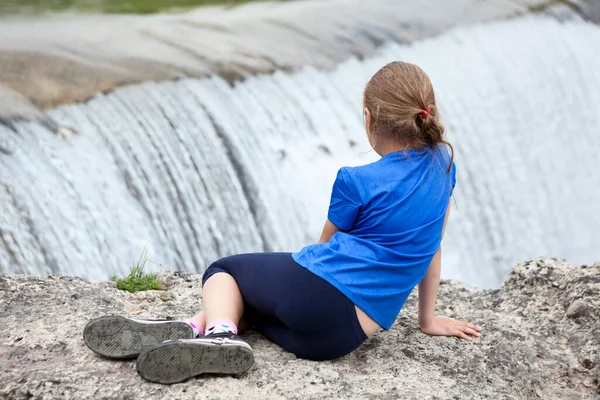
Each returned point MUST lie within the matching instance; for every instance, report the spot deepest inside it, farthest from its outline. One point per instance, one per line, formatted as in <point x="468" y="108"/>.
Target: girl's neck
<point x="384" y="149"/>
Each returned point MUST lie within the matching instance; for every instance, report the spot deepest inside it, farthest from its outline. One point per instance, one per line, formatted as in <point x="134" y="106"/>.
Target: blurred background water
<point x="196" y="169"/>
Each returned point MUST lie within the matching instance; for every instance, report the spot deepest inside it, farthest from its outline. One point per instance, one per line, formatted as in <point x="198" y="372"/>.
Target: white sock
<point x="197" y="329"/>
<point x="221" y="326"/>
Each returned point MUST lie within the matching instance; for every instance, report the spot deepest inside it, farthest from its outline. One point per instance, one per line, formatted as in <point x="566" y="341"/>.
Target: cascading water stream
<point x="197" y="169"/>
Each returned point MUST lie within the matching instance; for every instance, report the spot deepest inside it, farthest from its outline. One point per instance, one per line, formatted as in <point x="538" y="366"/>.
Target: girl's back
<point x="403" y="193"/>
<point x="391" y="214"/>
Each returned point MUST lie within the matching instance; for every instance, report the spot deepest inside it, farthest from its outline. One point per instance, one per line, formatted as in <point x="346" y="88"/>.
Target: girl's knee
<point x="213" y="268"/>
<point x="233" y="265"/>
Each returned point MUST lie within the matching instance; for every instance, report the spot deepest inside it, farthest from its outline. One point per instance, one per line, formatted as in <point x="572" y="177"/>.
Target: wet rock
<point x="231" y="42"/>
<point x="528" y="349"/>
<point x="587" y="363"/>
<point x="577" y="309"/>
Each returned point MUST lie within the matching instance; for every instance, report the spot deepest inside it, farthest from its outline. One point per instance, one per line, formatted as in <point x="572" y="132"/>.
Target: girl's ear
<point x="367" y="120"/>
<point x="369" y="126"/>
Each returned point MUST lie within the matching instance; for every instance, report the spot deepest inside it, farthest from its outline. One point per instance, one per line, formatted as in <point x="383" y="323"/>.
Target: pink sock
<point x="198" y="329"/>
<point x="220" y="326"/>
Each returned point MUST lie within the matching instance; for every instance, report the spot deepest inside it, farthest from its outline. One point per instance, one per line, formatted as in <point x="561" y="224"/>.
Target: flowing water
<point x="197" y="169"/>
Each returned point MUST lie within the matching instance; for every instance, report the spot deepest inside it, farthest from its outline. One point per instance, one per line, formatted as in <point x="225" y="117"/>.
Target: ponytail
<point x="432" y="131"/>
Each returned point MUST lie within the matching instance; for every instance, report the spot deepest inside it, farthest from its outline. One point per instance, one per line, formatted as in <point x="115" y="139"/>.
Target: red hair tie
<point x="425" y="113"/>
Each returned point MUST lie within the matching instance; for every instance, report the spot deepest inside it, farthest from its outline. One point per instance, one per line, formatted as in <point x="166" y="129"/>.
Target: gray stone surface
<point x="529" y="348"/>
<point x="577" y="309"/>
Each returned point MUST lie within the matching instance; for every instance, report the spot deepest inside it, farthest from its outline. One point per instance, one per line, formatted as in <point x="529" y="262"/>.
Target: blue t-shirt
<point x="391" y="215"/>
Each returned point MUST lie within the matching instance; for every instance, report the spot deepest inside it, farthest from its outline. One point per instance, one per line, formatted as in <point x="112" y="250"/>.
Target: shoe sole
<point x="177" y="361"/>
<point x="120" y="338"/>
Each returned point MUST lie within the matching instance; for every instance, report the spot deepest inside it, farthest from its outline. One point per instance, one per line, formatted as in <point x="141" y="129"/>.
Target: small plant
<point x="138" y="280"/>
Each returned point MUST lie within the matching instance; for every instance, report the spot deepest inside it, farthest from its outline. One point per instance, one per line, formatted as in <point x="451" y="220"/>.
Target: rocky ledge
<point x="541" y="340"/>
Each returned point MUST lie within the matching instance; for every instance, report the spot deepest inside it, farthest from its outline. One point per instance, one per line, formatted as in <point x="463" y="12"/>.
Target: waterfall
<point x="195" y="169"/>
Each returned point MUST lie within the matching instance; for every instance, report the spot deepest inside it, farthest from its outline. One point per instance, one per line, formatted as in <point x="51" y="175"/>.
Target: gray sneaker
<point x="178" y="360"/>
<point x="118" y="337"/>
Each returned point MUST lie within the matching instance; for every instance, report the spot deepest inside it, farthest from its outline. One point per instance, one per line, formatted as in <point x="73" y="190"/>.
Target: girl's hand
<point x="442" y="326"/>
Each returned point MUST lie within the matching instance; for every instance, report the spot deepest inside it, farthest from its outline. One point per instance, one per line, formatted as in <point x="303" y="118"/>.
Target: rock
<point x="587" y="363"/>
<point x="528" y="349"/>
<point x="577" y="309"/>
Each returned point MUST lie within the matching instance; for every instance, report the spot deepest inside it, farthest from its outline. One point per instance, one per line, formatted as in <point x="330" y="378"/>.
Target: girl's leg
<point x="219" y="351"/>
<point x="226" y="279"/>
<point x="222" y="301"/>
<point x="290" y="305"/>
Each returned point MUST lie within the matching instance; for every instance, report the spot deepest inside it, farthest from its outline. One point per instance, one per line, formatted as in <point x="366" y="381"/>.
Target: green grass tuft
<point x="138" y="280"/>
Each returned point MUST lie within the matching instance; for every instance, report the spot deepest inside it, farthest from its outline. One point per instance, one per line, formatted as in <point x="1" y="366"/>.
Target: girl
<point x="381" y="239"/>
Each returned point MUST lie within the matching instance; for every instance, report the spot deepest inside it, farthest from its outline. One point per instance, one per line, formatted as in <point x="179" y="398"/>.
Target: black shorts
<point x="293" y="307"/>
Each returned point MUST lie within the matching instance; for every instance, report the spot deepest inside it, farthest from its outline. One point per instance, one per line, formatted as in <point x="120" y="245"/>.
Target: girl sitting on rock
<point x="381" y="239"/>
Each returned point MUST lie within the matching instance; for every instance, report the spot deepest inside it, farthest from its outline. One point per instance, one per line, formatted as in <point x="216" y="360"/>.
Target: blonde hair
<point x="401" y="102"/>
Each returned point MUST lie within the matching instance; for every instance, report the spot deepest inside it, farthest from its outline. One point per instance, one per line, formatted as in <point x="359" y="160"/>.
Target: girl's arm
<point x="428" y="290"/>
<point x="328" y="231"/>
